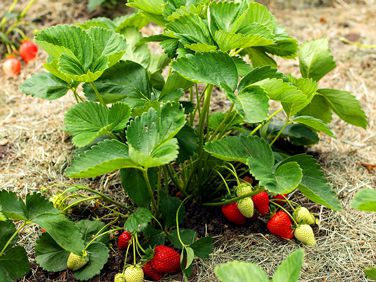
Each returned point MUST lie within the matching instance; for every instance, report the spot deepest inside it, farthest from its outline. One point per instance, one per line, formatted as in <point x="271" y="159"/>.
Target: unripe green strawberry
<point x="243" y="189"/>
<point x="134" y="274"/>
<point x="76" y="262"/>
<point x="120" y="277"/>
<point x="302" y="215"/>
<point x="304" y="233"/>
<point x="246" y="207"/>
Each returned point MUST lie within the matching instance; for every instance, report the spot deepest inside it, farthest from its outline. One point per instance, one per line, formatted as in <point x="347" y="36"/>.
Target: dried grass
<point x="34" y="151"/>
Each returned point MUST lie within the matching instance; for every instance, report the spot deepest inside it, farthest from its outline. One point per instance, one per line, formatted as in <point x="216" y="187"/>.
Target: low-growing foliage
<point x="156" y="127"/>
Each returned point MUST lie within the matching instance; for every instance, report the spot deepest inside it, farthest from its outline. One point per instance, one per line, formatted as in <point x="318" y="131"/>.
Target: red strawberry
<point x="12" y="66"/>
<point x="165" y="260"/>
<point x="124" y="240"/>
<point x="281" y="197"/>
<point x="232" y="213"/>
<point x="151" y="272"/>
<point x="28" y="51"/>
<point x="261" y="202"/>
<point x="280" y="224"/>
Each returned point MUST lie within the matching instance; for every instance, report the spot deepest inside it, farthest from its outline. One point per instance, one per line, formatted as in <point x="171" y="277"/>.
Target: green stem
<point x="104" y="197"/>
<point x="138" y="244"/>
<point x="26" y="9"/>
<point x="279" y="133"/>
<point x="250" y="194"/>
<point x="177" y="220"/>
<point x="150" y="189"/>
<point x="282" y="208"/>
<point x="126" y="256"/>
<point x="267" y="120"/>
<point x="80" y="201"/>
<point x="100" y="235"/>
<point x="13" y="236"/>
<point x="10" y="10"/>
<point x="134" y="251"/>
<point x="224" y="181"/>
<point x="77" y="96"/>
<point x="222" y="126"/>
<point x="97" y="94"/>
<point x="204" y="113"/>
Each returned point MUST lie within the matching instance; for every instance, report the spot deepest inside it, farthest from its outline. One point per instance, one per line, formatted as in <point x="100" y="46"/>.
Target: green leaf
<point x="174" y="82"/>
<point x="45" y="85"/>
<point x="284" y="45"/>
<point x="97" y="22"/>
<point x="189" y="256"/>
<point x="49" y="255"/>
<point x="370" y="273"/>
<point x="314" y="184"/>
<point x="150" y="6"/>
<point x="88" y="121"/>
<point x="314" y="123"/>
<point x="7" y="229"/>
<point x="233" y="148"/>
<point x="216" y="118"/>
<point x="316" y="59"/>
<point x="279" y="90"/>
<point x="288" y="176"/>
<point x="93" y="4"/>
<point x="365" y="200"/>
<point x="203" y="247"/>
<point x="127" y="81"/>
<point x="237" y="271"/>
<point x="346" y="106"/>
<point x="136" y="51"/>
<point x="188" y="236"/>
<point x="188" y="143"/>
<point x="62" y="230"/>
<point x="289" y="270"/>
<point x="301" y="134"/>
<point x="14" y="264"/>
<point x="11" y="206"/>
<point x="212" y="68"/>
<point x="150" y="136"/>
<point x="258" y="74"/>
<point x="135" y="185"/>
<point x="136" y="20"/>
<point x="168" y="207"/>
<point x="37" y="205"/>
<point x="138" y="220"/>
<point x="259" y="58"/>
<point x="89" y="228"/>
<point x="252" y="104"/>
<point x="102" y="158"/>
<point x="318" y="108"/>
<point x="224" y="14"/>
<point x="191" y="28"/>
<point x="98" y="256"/>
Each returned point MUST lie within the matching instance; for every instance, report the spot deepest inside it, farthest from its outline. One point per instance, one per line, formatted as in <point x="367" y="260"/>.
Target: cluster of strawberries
<point x="12" y="65"/>
<point x="280" y="223"/>
<point x="166" y="260"/>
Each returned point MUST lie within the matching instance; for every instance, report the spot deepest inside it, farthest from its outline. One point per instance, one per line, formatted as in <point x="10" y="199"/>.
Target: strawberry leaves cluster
<point x="149" y="116"/>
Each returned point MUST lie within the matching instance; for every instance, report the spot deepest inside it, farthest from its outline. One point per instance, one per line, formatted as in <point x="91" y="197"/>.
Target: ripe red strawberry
<point x="28" y="51"/>
<point x="165" y="260"/>
<point x="232" y="213"/>
<point x="282" y="197"/>
<point x="124" y="240"/>
<point x="261" y="202"/>
<point x="280" y="224"/>
<point x="151" y="272"/>
<point x="12" y="66"/>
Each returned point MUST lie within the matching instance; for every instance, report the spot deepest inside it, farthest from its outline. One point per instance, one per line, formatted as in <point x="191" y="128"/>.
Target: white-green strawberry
<point x="302" y="215"/>
<point x="246" y="207"/>
<point x="76" y="262"/>
<point x="120" y="277"/>
<point x="243" y="189"/>
<point x="134" y="273"/>
<point x="304" y="233"/>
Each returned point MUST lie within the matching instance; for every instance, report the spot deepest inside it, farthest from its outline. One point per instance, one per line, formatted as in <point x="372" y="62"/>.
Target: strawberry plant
<point x="156" y="127"/>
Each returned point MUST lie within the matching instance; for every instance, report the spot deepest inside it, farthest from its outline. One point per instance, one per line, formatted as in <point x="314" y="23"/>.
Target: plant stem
<point x="97" y="94"/>
<point x="224" y="181"/>
<point x="250" y="194"/>
<point x="26" y="9"/>
<point x="138" y="244"/>
<point x="177" y="220"/>
<point x="219" y="130"/>
<point x="103" y="196"/>
<point x="13" y="236"/>
<point x="279" y="133"/>
<point x="150" y="189"/>
<point x="10" y="10"/>
<point x="267" y="120"/>
<point x="126" y="256"/>
<point x="100" y="235"/>
<point x="80" y="201"/>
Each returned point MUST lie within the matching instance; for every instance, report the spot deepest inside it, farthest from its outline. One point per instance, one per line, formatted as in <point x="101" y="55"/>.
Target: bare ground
<point x="34" y="149"/>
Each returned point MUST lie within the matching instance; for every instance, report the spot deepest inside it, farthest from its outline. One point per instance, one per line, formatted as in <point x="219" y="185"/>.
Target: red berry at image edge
<point x="123" y="240"/>
<point x="231" y="213"/>
<point x="165" y="260"/>
<point x="12" y="66"/>
<point x="280" y="225"/>
<point x="28" y="51"/>
<point x="261" y="202"/>
<point x="151" y="273"/>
